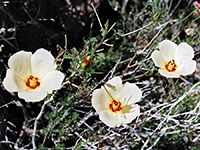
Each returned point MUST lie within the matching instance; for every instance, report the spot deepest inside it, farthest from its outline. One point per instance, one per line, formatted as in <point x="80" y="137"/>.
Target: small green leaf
<point x="68" y="57"/>
<point x="74" y="50"/>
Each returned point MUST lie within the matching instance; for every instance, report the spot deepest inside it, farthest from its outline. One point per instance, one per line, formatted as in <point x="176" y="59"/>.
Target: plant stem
<point x="138" y="29"/>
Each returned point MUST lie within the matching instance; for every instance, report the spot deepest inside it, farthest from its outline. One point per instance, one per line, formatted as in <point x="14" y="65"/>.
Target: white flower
<point x="32" y="75"/>
<point x="174" y="60"/>
<point x="115" y="102"/>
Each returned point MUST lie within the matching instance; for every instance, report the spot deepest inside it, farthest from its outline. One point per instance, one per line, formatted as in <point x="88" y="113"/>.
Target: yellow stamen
<point x="114" y="106"/>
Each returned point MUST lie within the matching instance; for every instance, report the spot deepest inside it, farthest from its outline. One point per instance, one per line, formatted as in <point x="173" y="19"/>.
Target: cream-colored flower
<point x="116" y="103"/>
<point x="33" y="76"/>
<point x="174" y="60"/>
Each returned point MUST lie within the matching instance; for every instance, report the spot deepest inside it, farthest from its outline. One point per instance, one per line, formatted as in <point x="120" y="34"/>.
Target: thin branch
<point x="36" y="120"/>
<point x="97" y="16"/>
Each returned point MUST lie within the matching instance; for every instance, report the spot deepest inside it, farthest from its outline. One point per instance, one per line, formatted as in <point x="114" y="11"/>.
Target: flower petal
<point x="52" y="81"/>
<point x="20" y="64"/>
<point x="100" y="100"/>
<point x="167" y="50"/>
<point x="42" y="62"/>
<point x="189" y="68"/>
<point x="32" y="95"/>
<point x="9" y="82"/>
<point x="184" y="53"/>
<point x="109" y="118"/>
<point x="130" y="94"/>
<point x="128" y="115"/>
<point x="169" y="74"/>
<point x="157" y="59"/>
<point x="114" y="87"/>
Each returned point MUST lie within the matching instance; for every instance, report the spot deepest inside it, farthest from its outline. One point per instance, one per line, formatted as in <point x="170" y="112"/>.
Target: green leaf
<point x="74" y="50"/>
<point x="68" y="57"/>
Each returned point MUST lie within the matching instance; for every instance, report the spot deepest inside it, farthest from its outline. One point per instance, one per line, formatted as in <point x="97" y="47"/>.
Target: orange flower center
<point x="171" y="66"/>
<point x="115" y="106"/>
<point x="32" y="82"/>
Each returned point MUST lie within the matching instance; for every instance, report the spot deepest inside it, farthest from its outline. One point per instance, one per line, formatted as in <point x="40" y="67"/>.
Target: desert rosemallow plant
<point x="116" y="102"/>
<point x="174" y="60"/>
<point x="33" y="76"/>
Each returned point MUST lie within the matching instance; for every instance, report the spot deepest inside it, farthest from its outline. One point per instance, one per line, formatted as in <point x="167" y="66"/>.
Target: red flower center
<point x="115" y="106"/>
<point x="32" y="82"/>
<point x="171" y="66"/>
